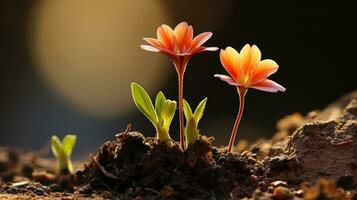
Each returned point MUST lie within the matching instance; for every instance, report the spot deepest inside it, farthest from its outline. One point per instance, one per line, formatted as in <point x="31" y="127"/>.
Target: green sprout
<point x="192" y="119"/>
<point x="63" y="150"/>
<point x="161" y="116"/>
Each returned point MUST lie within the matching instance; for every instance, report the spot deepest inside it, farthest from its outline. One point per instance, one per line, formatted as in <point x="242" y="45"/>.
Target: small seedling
<point x="63" y="150"/>
<point x="179" y="45"/>
<point x="247" y="70"/>
<point x="192" y="119"/>
<point x="161" y="116"/>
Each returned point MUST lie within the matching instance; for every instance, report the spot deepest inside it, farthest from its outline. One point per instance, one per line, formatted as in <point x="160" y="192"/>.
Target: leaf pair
<point x="161" y="116"/>
<point x="63" y="151"/>
<point x="192" y="120"/>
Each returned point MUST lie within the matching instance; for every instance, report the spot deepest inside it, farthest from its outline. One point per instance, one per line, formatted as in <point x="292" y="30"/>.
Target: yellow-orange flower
<point x="247" y="70"/>
<point x="178" y="43"/>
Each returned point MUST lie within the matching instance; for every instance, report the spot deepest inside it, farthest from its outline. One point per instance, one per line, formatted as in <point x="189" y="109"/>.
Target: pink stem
<point x="180" y="100"/>
<point x="241" y="92"/>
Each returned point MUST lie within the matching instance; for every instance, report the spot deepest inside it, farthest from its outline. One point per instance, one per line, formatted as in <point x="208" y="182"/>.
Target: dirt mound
<point x="325" y="146"/>
<point x="310" y="157"/>
<point x="134" y="166"/>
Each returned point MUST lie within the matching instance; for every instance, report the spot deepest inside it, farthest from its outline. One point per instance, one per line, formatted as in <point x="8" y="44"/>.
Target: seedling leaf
<point x="159" y="103"/>
<point x="168" y="113"/>
<point x="143" y="102"/>
<point x="187" y="110"/>
<point x="62" y="151"/>
<point x="191" y="132"/>
<point x="56" y="146"/>
<point x="68" y="143"/>
<point x="199" y="110"/>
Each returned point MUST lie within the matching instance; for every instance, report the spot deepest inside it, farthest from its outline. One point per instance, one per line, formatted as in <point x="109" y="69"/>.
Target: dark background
<point x="312" y="41"/>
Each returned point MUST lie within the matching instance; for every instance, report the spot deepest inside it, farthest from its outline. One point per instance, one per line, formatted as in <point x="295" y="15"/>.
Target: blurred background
<point x="66" y="66"/>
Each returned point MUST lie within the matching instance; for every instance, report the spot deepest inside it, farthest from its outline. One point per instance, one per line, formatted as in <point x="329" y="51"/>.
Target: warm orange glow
<point x="86" y="52"/>
<point x="247" y="70"/>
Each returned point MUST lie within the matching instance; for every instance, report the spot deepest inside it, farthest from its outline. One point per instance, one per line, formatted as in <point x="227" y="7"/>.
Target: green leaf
<point x="168" y="113"/>
<point x="187" y="110"/>
<point x="56" y="146"/>
<point x="191" y="131"/>
<point x="199" y="110"/>
<point x="159" y="103"/>
<point x="143" y="102"/>
<point x="68" y="143"/>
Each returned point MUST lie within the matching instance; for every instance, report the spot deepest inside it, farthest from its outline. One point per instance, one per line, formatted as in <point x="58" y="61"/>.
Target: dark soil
<point x="312" y="157"/>
<point x="134" y="166"/>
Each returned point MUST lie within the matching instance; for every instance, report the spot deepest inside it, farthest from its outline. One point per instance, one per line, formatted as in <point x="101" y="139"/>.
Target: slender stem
<point x="180" y="100"/>
<point x="241" y="92"/>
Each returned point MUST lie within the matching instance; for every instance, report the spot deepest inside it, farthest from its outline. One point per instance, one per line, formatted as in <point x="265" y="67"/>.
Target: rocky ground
<point x="310" y="157"/>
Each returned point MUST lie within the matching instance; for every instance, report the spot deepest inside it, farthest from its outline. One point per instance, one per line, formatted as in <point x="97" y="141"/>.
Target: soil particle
<point x="282" y="193"/>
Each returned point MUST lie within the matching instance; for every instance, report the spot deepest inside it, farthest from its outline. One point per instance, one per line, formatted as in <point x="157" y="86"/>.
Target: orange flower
<point x="180" y="46"/>
<point x="247" y="70"/>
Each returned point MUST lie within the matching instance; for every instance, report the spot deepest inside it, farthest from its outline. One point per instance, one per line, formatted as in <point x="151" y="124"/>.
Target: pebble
<point x="21" y="184"/>
<point x="54" y="187"/>
<point x="282" y="193"/>
<point x="299" y="193"/>
<point x="39" y="191"/>
<point x="279" y="183"/>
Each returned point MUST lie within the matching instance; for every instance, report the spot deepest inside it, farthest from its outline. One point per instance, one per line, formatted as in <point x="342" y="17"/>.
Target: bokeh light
<point x="88" y="51"/>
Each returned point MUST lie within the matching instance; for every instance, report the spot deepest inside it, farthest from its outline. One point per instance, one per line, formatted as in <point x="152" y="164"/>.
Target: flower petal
<point x="230" y="60"/>
<point x="256" y="55"/>
<point x="149" y="48"/>
<point x="183" y="33"/>
<point x="200" y="39"/>
<point x="265" y="68"/>
<point x="153" y="42"/>
<point x="166" y="36"/>
<point x="227" y="79"/>
<point x="268" y="86"/>
<point x="202" y="49"/>
<point x="251" y="56"/>
<point x="210" y="48"/>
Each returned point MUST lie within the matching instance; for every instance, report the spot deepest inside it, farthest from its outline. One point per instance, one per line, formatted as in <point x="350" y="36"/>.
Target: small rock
<point x="282" y="193"/>
<point x="43" y="187"/>
<point x="21" y="184"/>
<point x="299" y="193"/>
<point x="279" y="183"/>
<point x="55" y="187"/>
<point x="39" y="191"/>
